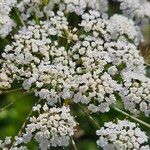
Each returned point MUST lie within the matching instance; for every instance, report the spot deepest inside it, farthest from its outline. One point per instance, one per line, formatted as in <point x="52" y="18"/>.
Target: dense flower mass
<point x="6" y="23"/>
<point x="83" y="66"/>
<point x="123" y="135"/>
<point x="53" y="127"/>
<point x="39" y="61"/>
<point x="6" y="144"/>
<point x="120" y="26"/>
<point x="29" y="8"/>
<point x="76" y="51"/>
<point x="5" y="81"/>
<point x="136" y="94"/>
<point x="138" y="10"/>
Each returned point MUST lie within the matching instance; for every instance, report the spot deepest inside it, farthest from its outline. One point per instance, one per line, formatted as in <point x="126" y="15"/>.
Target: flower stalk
<point x="132" y="117"/>
<point x="89" y="116"/>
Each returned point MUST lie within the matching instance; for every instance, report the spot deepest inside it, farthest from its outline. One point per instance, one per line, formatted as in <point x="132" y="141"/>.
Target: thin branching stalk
<point x="12" y="103"/>
<point x="74" y="144"/>
<point x="36" y="19"/>
<point x="19" y="17"/>
<point x="44" y="2"/>
<point x="10" y="91"/>
<point x="24" y="123"/>
<point x="27" y="118"/>
<point x="90" y="117"/>
<point x="132" y="117"/>
<point x="6" y="40"/>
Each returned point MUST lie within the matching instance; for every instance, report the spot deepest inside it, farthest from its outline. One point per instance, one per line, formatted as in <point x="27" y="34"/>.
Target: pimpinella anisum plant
<point x="76" y="54"/>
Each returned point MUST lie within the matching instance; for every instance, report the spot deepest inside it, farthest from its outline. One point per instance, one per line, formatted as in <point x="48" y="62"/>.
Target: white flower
<point x="84" y="61"/>
<point x="5" y="80"/>
<point x="123" y="135"/>
<point x="112" y="70"/>
<point x="120" y="25"/>
<point x="51" y="128"/>
<point x="29" y="7"/>
<point x="136" y="94"/>
<point x="6" y="23"/>
<point x="8" y="144"/>
<point x="6" y="6"/>
<point x="76" y="53"/>
<point x="138" y="10"/>
<point x="38" y="63"/>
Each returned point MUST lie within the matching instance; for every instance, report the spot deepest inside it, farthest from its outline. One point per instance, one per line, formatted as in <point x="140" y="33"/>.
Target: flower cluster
<point x="96" y="87"/>
<point x="6" y="23"/>
<point x="123" y="135"/>
<point x="75" y="51"/>
<point x="7" y="144"/>
<point x="59" y="62"/>
<point x="38" y="61"/>
<point x="5" y="81"/>
<point x="120" y="25"/>
<point x="80" y="6"/>
<point x="136" y="94"/>
<point x="29" y="8"/>
<point x="125" y="57"/>
<point x="138" y="10"/>
<point x="53" y="127"/>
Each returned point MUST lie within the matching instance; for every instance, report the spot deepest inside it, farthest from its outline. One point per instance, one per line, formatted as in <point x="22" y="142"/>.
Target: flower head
<point x="123" y="135"/>
<point x="53" y="127"/>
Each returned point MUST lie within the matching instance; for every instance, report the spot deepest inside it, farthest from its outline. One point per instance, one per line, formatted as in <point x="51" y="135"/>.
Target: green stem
<point x="25" y="122"/>
<point x="36" y="19"/>
<point x="19" y="17"/>
<point x="90" y="117"/>
<point x="132" y="117"/>
<point x="74" y="144"/>
<point x="27" y="118"/>
<point x="12" y="103"/>
<point x="6" y="40"/>
<point x="10" y="91"/>
<point x="44" y="2"/>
